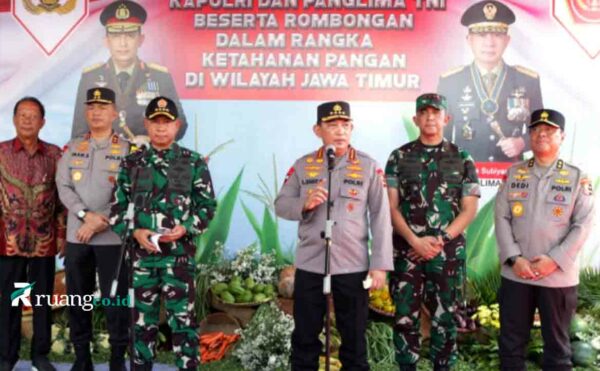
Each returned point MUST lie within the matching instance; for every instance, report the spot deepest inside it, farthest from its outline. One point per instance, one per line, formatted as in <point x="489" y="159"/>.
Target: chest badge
<point x="557" y="211"/>
<point x="77" y="175"/>
<point x="517" y="209"/>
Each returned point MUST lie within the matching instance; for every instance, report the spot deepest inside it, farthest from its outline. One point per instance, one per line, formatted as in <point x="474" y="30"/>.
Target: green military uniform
<point x="486" y="106"/>
<point x="134" y="86"/>
<point x="431" y="181"/>
<point x="168" y="188"/>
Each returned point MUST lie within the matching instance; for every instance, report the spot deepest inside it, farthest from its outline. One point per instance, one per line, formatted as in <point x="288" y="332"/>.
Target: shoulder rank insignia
<point x="452" y="71"/>
<point x="92" y="67"/>
<point x="527" y="71"/>
<point x="157" y="67"/>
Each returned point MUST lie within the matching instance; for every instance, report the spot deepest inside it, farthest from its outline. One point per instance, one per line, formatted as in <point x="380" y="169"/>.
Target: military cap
<point x="548" y="117"/>
<point x="100" y="95"/>
<point x="161" y="106"/>
<point x="333" y="110"/>
<point x="432" y="100"/>
<point x="123" y="16"/>
<point x="488" y="16"/>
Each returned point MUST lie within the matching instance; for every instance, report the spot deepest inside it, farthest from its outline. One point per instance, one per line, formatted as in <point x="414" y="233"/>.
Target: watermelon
<point x="583" y="354"/>
<point x="578" y="325"/>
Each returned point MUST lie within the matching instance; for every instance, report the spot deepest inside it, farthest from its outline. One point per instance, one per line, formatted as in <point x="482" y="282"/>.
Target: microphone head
<point x="329" y="149"/>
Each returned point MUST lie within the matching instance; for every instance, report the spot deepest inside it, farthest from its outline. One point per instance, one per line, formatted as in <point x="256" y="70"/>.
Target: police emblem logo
<point x="352" y="192"/>
<point x="586" y="10"/>
<point x="489" y="11"/>
<point x="97" y="94"/>
<point x="337" y="110"/>
<point x="77" y="175"/>
<point x="559" y="197"/>
<point x="517" y="209"/>
<point x="161" y="103"/>
<point x="586" y="187"/>
<point x="122" y="12"/>
<point x="289" y="174"/>
<point x="49" y="6"/>
<point x="544" y="116"/>
<point x="557" y="211"/>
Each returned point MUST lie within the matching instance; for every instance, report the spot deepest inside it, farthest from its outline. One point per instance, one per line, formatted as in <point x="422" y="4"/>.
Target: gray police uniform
<point x="85" y="178"/>
<point x="148" y="81"/>
<point x="359" y="202"/>
<point x="357" y="186"/>
<point x="548" y="214"/>
<point x="541" y="211"/>
<point x="474" y="112"/>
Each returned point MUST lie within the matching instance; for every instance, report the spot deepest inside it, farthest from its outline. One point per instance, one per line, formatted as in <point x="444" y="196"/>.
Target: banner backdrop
<point x="250" y="73"/>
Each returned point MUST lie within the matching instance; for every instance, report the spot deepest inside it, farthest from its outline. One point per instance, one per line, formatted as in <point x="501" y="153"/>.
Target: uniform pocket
<point x="353" y="199"/>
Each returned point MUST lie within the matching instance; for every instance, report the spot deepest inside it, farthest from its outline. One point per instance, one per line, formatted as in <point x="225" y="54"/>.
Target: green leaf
<point x="270" y="234"/>
<point x="412" y="132"/>
<point x="482" y="256"/>
<point x="253" y="222"/>
<point x="218" y="230"/>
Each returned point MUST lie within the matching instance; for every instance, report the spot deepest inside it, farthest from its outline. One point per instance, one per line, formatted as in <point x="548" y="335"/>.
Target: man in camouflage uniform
<point x="544" y="213"/>
<point x="172" y="195"/>
<point x="134" y="81"/>
<point x="433" y="191"/>
<point x="84" y="179"/>
<point x="359" y="203"/>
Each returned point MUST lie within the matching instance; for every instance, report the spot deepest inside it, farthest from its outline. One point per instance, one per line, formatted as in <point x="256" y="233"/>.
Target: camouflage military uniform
<point x="431" y="181"/>
<point x="168" y="188"/>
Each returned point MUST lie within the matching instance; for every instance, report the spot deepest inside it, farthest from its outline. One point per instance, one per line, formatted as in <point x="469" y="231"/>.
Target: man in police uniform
<point x="433" y="191"/>
<point x="86" y="174"/>
<point x="544" y="212"/>
<point x="172" y="195"/>
<point x="134" y="81"/>
<point x="489" y="101"/>
<point x="357" y="190"/>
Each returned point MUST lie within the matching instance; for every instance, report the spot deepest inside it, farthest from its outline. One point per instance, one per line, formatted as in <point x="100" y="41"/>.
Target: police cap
<point x="548" y="117"/>
<point x="488" y="16"/>
<point x="123" y="16"/>
<point x="161" y="106"/>
<point x="332" y="111"/>
<point x="100" y="95"/>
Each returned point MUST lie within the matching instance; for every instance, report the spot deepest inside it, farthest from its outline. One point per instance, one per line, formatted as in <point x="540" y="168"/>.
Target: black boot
<point x="437" y="367"/>
<point x="41" y="363"/>
<point x="83" y="358"/>
<point x="117" y="358"/>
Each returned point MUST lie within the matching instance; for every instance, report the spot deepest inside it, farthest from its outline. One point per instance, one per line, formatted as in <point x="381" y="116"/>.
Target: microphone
<point x="330" y="153"/>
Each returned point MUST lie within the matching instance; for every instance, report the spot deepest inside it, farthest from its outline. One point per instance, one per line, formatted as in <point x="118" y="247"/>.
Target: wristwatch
<point x="446" y="237"/>
<point x="81" y="214"/>
<point x="512" y="260"/>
